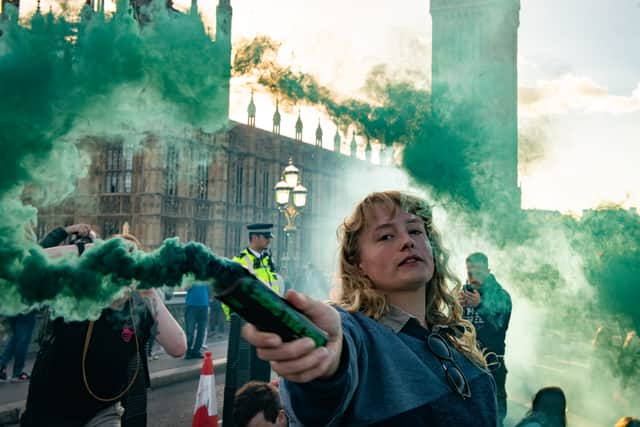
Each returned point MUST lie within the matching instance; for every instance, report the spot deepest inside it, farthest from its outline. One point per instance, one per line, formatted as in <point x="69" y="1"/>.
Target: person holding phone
<point x="399" y="352"/>
<point x="488" y="307"/>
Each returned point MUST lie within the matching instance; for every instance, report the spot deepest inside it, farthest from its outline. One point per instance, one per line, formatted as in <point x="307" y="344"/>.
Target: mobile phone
<point x="469" y="287"/>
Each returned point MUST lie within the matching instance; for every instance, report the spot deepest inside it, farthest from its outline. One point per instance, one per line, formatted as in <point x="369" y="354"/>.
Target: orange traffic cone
<point x="206" y="411"/>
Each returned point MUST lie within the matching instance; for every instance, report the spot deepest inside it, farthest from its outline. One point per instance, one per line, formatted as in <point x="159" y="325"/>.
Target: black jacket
<point x="491" y="317"/>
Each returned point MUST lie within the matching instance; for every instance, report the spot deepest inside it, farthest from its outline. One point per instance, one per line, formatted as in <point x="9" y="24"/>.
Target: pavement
<point x="164" y="371"/>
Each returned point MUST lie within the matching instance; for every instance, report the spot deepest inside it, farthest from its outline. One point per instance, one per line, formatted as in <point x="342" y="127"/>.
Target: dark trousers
<point x="500" y="377"/>
<point x="21" y="330"/>
<point x="195" y="322"/>
<point x="243" y="366"/>
<point x="217" y="318"/>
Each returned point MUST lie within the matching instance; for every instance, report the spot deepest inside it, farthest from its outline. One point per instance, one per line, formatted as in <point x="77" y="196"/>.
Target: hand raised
<point x="300" y="360"/>
<point x="80" y="229"/>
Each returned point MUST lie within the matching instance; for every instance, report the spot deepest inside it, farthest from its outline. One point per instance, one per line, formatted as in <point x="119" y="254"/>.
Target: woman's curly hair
<point x="357" y="293"/>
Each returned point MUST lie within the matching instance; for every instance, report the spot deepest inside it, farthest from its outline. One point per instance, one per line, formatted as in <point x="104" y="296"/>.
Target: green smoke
<point x="437" y="152"/>
<point x="608" y="240"/>
<point x="394" y="108"/>
<point x="104" y="76"/>
<point x="101" y="272"/>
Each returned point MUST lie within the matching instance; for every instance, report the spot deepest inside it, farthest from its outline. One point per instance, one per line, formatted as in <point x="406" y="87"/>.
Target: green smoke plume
<point x="101" y="272"/>
<point x="394" y="108"/>
<point x="608" y="240"/>
<point x="102" y="76"/>
<point x="438" y="153"/>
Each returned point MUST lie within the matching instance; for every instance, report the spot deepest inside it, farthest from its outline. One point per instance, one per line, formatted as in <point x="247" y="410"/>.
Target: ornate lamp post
<point x="291" y="198"/>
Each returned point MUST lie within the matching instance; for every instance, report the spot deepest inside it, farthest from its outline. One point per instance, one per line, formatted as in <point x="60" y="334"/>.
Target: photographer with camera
<point x="488" y="307"/>
<point x="88" y="373"/>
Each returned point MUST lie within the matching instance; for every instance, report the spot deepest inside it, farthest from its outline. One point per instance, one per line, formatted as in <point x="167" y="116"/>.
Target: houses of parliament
<point x="209" y="186"/>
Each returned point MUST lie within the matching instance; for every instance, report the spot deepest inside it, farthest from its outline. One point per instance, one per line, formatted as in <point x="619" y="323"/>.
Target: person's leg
<point x="218" y="317"/>
<point x="212" y="317"/>
<point x="9" y="350"/>
<point x="189" y="325"/>
<point x="24" y="330"/>
<point x="201" y="324"/>
<point x="206" y="328"/>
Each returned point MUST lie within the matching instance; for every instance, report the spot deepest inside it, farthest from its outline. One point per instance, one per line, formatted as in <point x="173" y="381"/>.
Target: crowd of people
<point x="402" y="347"/>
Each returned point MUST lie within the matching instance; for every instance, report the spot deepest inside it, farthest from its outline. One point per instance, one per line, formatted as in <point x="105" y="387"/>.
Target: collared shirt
<point x="396" y="318"/>
<point x="256" y="254"/>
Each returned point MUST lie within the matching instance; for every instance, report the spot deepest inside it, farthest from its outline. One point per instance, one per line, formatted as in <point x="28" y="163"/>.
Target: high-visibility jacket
<point x="262" y="268"/>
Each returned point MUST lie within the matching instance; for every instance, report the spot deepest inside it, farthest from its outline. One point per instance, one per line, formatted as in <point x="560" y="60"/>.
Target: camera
<point x="77" y="239"/>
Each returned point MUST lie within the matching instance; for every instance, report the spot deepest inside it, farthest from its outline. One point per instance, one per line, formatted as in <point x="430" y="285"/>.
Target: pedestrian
<point x="86" y="370"/>
<point x="548" y="409"/>
<point x="21" y="326"/>
<point x="399" y="352"/>
<point x="488" y="307"/>
<point x="196" y="316"/>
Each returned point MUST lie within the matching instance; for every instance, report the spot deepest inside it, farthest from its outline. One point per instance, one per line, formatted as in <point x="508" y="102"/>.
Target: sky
<point x="578" y="71"/>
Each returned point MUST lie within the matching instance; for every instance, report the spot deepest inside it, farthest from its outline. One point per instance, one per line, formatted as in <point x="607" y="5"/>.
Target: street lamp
<point x="291" y="198"/>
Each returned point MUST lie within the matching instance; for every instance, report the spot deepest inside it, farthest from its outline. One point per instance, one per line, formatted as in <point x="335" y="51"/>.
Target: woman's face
<point x="395" y="253"/>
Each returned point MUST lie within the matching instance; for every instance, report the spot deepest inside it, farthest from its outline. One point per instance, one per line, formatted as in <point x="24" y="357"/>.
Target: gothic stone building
<point x="203" y="187"/>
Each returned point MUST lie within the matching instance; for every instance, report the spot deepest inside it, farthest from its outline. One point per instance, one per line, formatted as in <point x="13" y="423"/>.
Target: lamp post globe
<point x="291" y="199"/>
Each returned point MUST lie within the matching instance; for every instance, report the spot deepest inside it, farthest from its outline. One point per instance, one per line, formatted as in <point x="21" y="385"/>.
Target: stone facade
<point x="202" y="187"/>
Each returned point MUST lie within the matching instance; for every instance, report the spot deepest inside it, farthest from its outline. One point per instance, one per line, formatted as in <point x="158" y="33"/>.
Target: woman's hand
<point x="300" y="360"/>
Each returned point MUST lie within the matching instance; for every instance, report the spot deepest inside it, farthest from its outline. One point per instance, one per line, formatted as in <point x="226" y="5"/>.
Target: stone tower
<point x="223" y="42"/>
<point x="474" y="66"/>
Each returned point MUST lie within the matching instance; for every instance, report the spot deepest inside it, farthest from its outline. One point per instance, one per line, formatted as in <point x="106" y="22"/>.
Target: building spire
<point x="251" y="110"/>
<point x="299" y="127"/>
<point x="38" y="8"/>
<point x="224" y="14"/>
<point x="337" y="141"/>
<point x="194" y="7"/>
<point x="354" y="145"/>
<point x="276" y="118"/>
<point x="319" y="135"/>
<point x="368" y="150"/>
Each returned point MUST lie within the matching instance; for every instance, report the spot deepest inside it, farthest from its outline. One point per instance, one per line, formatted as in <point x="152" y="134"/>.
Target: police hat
<point x="263" y="229"/>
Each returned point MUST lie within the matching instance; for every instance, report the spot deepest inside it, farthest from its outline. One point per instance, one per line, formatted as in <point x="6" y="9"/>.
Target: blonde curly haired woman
<point x="399" y="352"/>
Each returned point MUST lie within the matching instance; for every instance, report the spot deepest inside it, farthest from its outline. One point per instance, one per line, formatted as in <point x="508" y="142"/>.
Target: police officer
<point x="256" y="257"/>
<point x="244" y="364"/>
